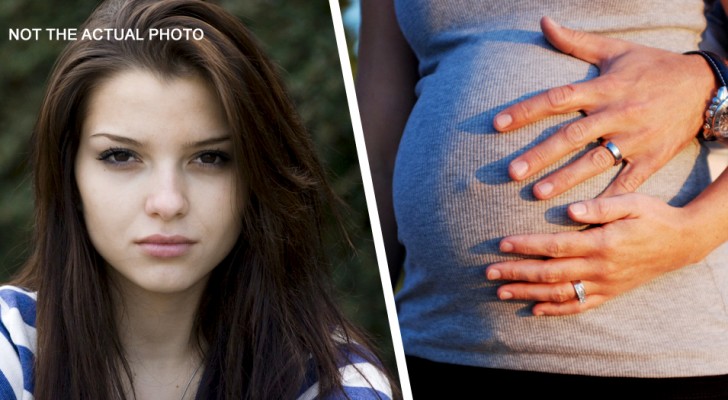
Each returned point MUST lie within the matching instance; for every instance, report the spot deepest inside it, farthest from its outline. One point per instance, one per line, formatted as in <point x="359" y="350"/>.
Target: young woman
<point x="179" y="210"/>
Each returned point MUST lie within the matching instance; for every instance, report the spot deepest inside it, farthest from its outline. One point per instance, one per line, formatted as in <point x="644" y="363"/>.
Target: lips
<point x="162" y="246"/>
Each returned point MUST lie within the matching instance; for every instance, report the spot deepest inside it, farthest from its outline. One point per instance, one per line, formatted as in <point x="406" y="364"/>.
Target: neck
<point x="156" y="333"/>
<point x="157" y="326"/>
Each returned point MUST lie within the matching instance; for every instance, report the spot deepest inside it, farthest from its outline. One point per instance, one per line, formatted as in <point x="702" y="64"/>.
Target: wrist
<point x="715" y="125"/>
<point x="706" y="224"/>
<point x="691" y="227"/>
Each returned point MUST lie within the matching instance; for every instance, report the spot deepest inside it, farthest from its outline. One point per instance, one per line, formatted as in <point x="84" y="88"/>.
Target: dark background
<point x="297" y="35"/>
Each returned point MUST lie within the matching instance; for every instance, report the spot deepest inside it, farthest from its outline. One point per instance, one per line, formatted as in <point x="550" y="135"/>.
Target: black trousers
<point x="428" y="379"/>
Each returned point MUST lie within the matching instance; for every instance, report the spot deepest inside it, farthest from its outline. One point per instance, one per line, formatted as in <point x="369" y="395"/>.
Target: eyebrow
<point x="210" y="141"/>
<point x="132" y="142"/>
<point x="117" y="138"/>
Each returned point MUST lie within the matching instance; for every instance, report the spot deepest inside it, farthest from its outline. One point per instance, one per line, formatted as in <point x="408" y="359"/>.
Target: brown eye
<point x="118" y="156"/>
<point x="211" y="159"/>
<point x="121" y="157"/>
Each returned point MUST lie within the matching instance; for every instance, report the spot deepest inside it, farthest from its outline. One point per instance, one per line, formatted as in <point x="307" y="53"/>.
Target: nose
<point x="167" y="197"/>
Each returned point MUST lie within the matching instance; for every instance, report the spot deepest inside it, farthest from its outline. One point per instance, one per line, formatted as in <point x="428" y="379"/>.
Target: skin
<point x="641" y="237"/>
<point x="631" y="103"/>
<point x="154" y="158"/>
<point x="385" y="83"/>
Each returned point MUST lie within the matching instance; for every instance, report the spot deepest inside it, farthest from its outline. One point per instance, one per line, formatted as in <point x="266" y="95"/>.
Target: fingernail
<point x="578" y="209"/>
<point x="538" y="313"/>
<point x="503" y="120"/>
<point x="556" y="24"/>
<point x="519" y="168"/>
<point x="506" y="247"/>
<point x="545" y="188"/>
<point x="505" y="295"/>
<point x="494" y="274"/>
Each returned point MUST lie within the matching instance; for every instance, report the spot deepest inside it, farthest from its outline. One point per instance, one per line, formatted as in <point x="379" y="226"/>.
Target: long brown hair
<point x="267" y="310"/>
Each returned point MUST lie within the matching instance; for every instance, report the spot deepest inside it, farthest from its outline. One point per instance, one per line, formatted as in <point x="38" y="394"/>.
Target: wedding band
<point x="580" y="291"/>
<point x="614" y="150"/>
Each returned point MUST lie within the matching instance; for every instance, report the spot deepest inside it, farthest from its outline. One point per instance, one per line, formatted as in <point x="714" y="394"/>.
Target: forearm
<point x="386" y="76"/>
<point x="708" y="215"/>
<point x="394" y="250"/>
<point x="383" y="124"/>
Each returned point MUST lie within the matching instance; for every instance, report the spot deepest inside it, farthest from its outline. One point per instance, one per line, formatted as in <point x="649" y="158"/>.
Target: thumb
<point x="589" y="47"/>
<point x="602" y="210"/>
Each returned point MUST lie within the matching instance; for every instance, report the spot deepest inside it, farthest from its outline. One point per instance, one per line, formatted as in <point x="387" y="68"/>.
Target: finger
<point x="603" y="210"/>
<point x="632" y="176"/>
<point x="594" y="162"/>
<point x="589" y="47"/>
<point x="553" y="292"/>
<point x="558" y="100"/>
<point x="568" y="307"/>
<point x="540" y="271"/>
<point x="553" y="245"/>
<point x="566" y="140"/>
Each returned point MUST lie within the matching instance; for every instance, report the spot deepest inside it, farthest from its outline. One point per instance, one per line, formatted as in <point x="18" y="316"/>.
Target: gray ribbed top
<point x="454" y="200"/>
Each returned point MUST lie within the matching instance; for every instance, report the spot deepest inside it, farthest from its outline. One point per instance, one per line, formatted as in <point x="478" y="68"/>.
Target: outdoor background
<point x="298" y="35"/>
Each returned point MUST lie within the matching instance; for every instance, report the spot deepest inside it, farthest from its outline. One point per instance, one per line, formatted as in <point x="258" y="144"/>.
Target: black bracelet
<point x="716" y="116"/>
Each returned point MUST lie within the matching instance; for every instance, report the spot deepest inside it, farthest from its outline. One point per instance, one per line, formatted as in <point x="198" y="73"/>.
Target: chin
<point x="163" y="280"/>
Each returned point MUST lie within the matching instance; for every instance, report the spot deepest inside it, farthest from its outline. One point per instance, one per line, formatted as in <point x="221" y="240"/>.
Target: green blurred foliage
<point x="297" y="35"/>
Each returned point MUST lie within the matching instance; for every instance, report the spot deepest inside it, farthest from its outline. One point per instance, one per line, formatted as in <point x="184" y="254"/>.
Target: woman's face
<point x="157" y="181"/>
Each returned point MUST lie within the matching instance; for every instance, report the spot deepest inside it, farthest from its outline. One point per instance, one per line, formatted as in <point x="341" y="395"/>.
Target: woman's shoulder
<point x="17" y="342"/>
<point x="17" y="308"/>
<point x="17" y="297"/>
<point x="361" y="374"/>
<point x="362" y="377"/>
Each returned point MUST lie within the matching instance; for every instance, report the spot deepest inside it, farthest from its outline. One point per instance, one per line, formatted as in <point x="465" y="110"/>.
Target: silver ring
<point x="614" y="150"/>
<point x="580" y="291"/>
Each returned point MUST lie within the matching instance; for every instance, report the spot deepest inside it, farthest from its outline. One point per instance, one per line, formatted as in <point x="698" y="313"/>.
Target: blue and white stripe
<point x="361" y="380"/>
<point x="17" y="343"/>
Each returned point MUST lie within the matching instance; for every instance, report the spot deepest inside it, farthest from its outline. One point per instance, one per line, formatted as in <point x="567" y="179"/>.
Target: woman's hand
<point x="648" y="102"/>
<point x="642" y="238"/>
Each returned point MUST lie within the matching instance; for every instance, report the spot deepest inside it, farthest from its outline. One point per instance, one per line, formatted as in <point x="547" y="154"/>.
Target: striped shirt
<point x="361" y="379"/>
<point x="17" y="343"/>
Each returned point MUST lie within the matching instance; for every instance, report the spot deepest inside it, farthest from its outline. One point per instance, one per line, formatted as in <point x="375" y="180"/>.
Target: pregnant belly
<point x="453" y="198"/>
<point x="454" y="202"/>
